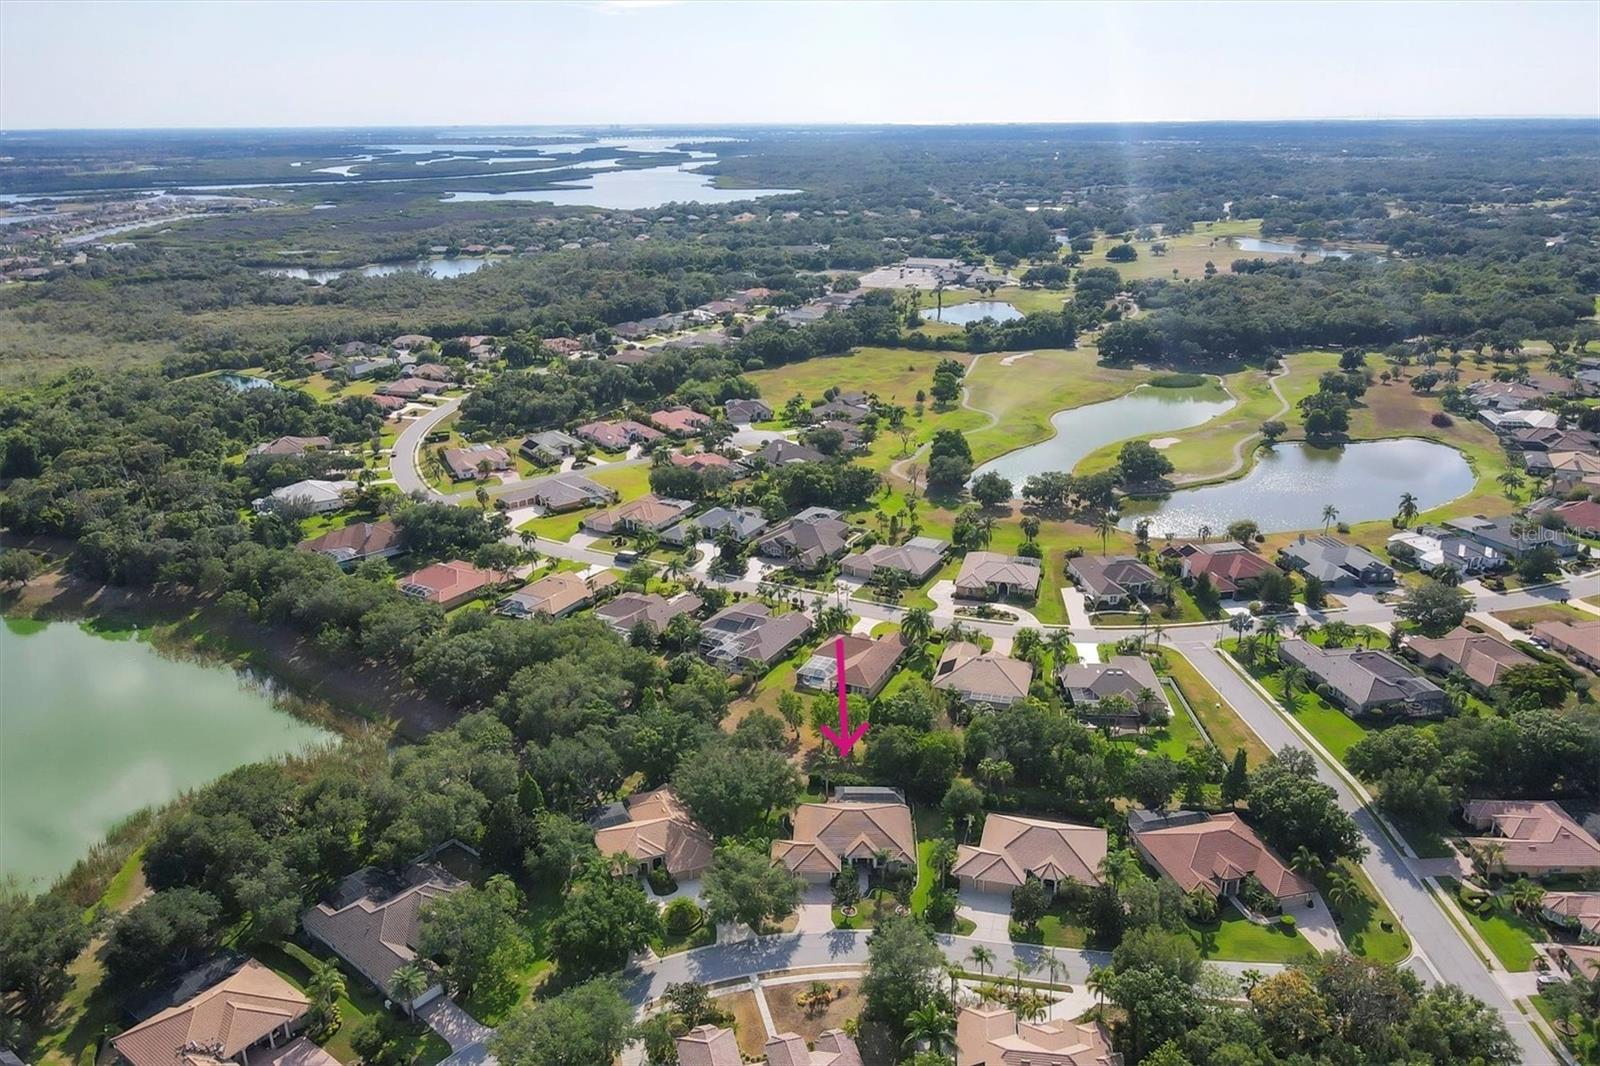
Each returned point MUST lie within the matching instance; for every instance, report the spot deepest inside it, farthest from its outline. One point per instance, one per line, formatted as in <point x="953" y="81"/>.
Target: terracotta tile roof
<point x="982" y="569"/>
<point x="858" y="830"/>
<point x="1482" y="657"/>
<point x="358" y="540"/>
<point x="556" y="594"/>
<point x="659" y="827"/>
<point x="709" y="1045"/>
<point x="1533" y="835"/>
<point x="1218" y="849"/>
<point x="647" y="512"/>
<point x="993" y="1036"/>
<point x="834" y="1048"/>
<point x="684" y="420"/>
<point x="868" y="663"/>
<point x="980" y="676"/>
<point x="298" y="1052"/>
<point x="1227" y="565"/>
<point x="449" y="583"/>
<point x="1582" y="908"/>
<point x="378" y="936"/>
<point x="292" y="446"/>
<point x="217" y="1024"/>
<point x="1012" y="848"/>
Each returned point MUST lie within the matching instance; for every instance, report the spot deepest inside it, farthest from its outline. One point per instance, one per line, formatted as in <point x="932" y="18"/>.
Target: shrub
<point x="1442" y="420"/>
<point x="1287" y="923"/>
<point x="661" y="882"/>
<point x="682" y="916"/>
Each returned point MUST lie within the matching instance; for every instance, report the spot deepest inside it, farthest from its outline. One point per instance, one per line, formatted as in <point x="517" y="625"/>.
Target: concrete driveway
<point x="989" y="912"/>
<point x="816" y="910"/>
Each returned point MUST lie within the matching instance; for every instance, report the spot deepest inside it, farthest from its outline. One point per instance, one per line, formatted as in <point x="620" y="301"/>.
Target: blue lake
<point x="973" y="311"/>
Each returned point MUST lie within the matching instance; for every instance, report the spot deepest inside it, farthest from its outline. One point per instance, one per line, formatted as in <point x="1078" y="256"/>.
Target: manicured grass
<point x="1336" y="731"/>
<point x="1228" y="731"/>
<point x="1361" y="923"/>
<point x="1060" y="928"/>
<point x="1024" y="395"/>
<point x="293" y="963"/>
<point x="1509" y="935"/>
<point x="1238" y="939"/>
<point x="631" y="482"/>
<point x="670" y="943"/>
<point x="895" y="374"/>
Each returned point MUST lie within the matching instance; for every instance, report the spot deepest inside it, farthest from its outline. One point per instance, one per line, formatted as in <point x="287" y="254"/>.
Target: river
<point x="93" y="728"/>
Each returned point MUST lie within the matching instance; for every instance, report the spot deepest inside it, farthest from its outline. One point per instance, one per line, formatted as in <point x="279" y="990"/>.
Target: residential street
<point x="1436" y="940"/>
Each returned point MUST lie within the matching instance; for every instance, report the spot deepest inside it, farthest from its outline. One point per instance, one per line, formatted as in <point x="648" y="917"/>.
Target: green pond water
<point x="94" y="727"/>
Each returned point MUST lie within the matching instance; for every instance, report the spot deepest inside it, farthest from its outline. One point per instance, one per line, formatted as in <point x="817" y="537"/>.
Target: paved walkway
<point x="458" y="1028"/>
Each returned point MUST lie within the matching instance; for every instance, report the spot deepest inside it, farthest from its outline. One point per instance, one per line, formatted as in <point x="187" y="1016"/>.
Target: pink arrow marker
<point x="844" y="738"/>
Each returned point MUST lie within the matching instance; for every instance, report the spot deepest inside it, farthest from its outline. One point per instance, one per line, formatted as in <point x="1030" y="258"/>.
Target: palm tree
<point x="1293" y="679"/>
<point x="1408" y="509"/>
<point x="407" y="983"/>
<point x="1305" y="861"/>
<point x="1329" y="514"/>
<point x="1511" y="481"/>
<point x="1526" y="896"/>
<point x="1204" y="533"/>
<point x="931" y="1027"/>
<point x="326" y="985"/>
<point x="1271" y="626"/>
<point x="982" y="958"/>
<point x="1054" y="966"/>
<point x="1020" y="968"/>
<point x="917" y="626"/>
<point x="1343" y="891"/>
<point x="1058" y="642"/>
<point x="1099" y="982"/>
<point x="1250" y="978"/>
<point x="942" y="856"/>
<point x="1104" y="523"/>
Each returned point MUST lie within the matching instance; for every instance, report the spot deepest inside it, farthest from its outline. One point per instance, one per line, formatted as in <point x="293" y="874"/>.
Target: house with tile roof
<point x="741" y="523"/>
<point x="358" y="542"/>
<point x="1215" y="853"/>
<point x="450" y="584"/>
<point x="646" y="514"/>
<point x="1574" y="910"/>
<point x="826" y="836"/>
<point x="680" y="421"/>
<point x="617" y="436"/>
<point x="476" y="461"/>
<point x="292" y="446"/>
<point x="558" y="493"/>
<point x="1361" y="681"/>
<point x="1531" y="837"/>
<point x="1580" y="516"/>
<point x="1233" y="569"/>
<point x="313" y="495"/>
<point x="807" y="541"/>
<point x="1335" y="563"/>
<point x="238" y="1019"/>
<point x="371" y="921"/>
<point x="1481" y="658"/>
<point x="710" y="1045"/>
<point x="623" y="613"/>
<point x="743" y="412"/>
<point x="995" y="1036"/>
<point x="783" y="452"/>
<point x="1112" y="583"/>
<point x="1088" y="685"/>
<point x="869" y="663"/>
<point x="1013" y="849"/>
<point x="555" y="595"/>
<point x="1578" y="641"/>
<point x="548" y="447"/>
<point x="747" y="635"/>
<point x="991" y="575"/>
<point x="917" y="559"/>
<point x="981" y="677"/>
<point x="659" y="833"/>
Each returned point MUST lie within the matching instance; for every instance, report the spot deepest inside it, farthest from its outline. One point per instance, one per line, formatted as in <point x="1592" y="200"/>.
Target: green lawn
<point x="631" y="482"/>
<point x="361" y="1001"/>
<point x="1509" y="935"/>
<point x="1334" y="729"/>
<point x="700" y="936"/>
<point x="1238" y="939"/>
<point x="1368" y="927"/>
<point x="1060" y="928"/>
<point x="1228" y="731"/>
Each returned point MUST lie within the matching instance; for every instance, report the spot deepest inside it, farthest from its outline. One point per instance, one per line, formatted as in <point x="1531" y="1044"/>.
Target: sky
<point x="89" y="64"/>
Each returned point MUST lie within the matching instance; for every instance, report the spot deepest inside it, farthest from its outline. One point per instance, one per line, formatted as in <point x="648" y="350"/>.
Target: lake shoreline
<point x="184" y="623"/>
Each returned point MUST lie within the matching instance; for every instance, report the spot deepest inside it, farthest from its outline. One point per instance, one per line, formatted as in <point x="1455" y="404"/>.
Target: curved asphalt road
<point x="403" y="467"/>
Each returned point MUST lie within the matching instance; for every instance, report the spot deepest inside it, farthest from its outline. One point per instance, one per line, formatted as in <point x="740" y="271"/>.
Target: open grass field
<point x="1368" y="927"/>
<point x="895" y="374"/>
<point x="630" y="481"/>
<point x="1023" y="395"/>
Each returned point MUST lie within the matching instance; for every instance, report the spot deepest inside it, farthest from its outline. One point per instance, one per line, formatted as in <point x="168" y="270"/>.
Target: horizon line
<point x="808" y="124"/>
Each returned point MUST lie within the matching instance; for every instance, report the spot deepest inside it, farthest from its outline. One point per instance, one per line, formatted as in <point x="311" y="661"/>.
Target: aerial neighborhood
<point x="945" y="599"/>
